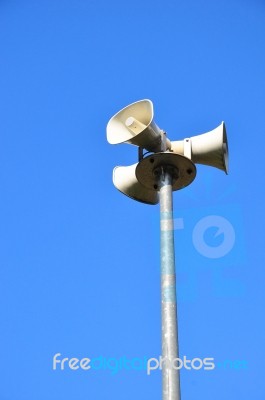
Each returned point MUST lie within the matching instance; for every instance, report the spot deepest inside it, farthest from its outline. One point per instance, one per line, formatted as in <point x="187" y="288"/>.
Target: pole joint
<point x="165" y="175"/>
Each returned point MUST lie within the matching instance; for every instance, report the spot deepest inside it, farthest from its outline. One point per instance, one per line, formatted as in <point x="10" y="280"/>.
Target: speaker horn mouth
<point x="130" y="121"/>
<point x="225" y="150"/>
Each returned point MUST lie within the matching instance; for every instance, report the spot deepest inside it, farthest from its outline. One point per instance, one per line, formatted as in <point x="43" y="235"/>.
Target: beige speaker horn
<point x="135" y="125"/>
<point x="209" y="148"/>
<point x="124" y="179"/>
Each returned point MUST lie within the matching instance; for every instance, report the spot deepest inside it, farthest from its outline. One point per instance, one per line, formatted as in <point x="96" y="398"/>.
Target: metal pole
<point x="170" y="375"/>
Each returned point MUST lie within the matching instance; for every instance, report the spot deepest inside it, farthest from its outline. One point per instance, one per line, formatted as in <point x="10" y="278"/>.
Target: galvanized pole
<point x="170" y="375"/>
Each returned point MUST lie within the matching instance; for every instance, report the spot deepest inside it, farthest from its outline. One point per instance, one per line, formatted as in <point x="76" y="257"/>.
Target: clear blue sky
<point x="79" y="261"/>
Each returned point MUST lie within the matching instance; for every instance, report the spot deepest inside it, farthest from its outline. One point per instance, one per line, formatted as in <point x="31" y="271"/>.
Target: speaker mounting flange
<point x="183" y="170"/>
